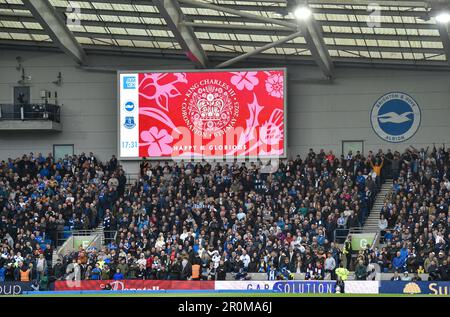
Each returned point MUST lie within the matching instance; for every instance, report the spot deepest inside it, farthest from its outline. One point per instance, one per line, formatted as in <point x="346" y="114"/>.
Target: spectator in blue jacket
<point x="2" y="273"/>
<point x="118" y="275"/>
<point x="360" y="181"/>
<point x="95" y="275"/>
<point x="398" y="263"/>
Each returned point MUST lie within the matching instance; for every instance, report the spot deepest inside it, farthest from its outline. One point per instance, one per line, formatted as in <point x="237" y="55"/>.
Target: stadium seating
<point x="201" y="221"/>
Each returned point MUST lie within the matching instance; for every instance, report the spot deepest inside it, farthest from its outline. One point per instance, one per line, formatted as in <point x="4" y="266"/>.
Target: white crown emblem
<point x="210" y="108"/>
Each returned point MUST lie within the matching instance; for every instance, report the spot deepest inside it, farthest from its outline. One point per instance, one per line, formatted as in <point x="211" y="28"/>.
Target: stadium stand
<point x="194" y="220"/>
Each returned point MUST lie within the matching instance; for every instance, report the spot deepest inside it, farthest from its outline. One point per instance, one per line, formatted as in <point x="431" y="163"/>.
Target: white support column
<point x="444" y="32"/>
<point x="310" y="30"/>
<point x="313" y="36"/>
<point x="56" y="28"/>
<point x="185" y="35"/>
<point x="259" y="50"/>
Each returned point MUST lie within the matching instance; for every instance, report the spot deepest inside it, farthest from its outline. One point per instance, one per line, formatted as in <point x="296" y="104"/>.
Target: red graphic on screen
<point x="211" y="114"/>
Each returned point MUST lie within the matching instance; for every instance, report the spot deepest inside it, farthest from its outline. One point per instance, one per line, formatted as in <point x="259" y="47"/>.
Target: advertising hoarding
<point x="124" y="285"/>
<point x="15" y="288"/>
<point x="361" y="240"/>
<point x="362" y="287"/>
<point x="302" y="287"/>
<point x="420" y="287"/>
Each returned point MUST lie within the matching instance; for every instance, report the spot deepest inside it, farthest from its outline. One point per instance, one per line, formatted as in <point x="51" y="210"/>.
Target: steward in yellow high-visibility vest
<point x="342" y="273"/>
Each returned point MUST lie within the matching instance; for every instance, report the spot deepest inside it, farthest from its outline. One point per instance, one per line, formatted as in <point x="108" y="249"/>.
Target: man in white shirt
<point x="447" y="184"/>
<point x="245" y="258"/>
<point x="342" y="221"/>
<point x="41" y="264"/>
<point x="184" y="235"/>
<point x="142" y="260"/>
<point x="330" y="265"/>
<point x="240" y="215"/>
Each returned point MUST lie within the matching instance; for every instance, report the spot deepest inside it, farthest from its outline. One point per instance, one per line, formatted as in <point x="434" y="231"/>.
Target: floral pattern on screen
<point x="211" y="114"/>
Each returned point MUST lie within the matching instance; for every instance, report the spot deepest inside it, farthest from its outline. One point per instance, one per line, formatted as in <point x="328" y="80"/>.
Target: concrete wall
<point x="88" y="98"/>
<point x="320" y="114"/>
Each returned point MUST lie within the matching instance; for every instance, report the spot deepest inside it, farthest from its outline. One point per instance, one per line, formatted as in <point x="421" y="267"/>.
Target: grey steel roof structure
<point x="219" y="33"/>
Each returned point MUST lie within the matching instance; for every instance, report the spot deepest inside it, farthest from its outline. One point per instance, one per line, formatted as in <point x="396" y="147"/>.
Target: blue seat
<point x="66" y="233"/>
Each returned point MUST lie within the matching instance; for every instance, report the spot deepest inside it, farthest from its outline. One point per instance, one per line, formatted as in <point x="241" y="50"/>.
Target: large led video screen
<point x="202" y="114"/>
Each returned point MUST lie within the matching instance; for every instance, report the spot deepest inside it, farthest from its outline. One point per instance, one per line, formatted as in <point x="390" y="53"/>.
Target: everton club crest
<point x="129" y="123"/>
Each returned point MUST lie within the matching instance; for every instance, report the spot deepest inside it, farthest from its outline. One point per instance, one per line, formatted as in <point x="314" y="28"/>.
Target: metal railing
<point x="64" y="240"/>
<point x="62" y="236"/>
<point x="132" y="178"/>
<point x="376" y="240"/>
<point x="108" y="235"/>
<point x="33" y="111"/>
<point x="340" y="235"/>
<point x="356" y="230"/>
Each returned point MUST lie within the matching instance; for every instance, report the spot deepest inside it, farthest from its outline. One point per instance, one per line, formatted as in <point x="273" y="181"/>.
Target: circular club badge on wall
<point x="395" y="117"/>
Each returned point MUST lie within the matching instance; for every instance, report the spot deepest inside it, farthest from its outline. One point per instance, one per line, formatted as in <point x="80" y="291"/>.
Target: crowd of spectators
<point x="40" y="198"/>
<point x="414" y="219"/>
<point x="202" y="220"/>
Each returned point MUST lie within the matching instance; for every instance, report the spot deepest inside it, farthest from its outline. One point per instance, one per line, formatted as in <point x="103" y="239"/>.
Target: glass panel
<point x="353" y="146"/>
<point x="61" y="150"/>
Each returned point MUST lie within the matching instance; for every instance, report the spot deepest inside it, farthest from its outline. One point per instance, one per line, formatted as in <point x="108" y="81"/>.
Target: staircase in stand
<point x="371" y="224"/>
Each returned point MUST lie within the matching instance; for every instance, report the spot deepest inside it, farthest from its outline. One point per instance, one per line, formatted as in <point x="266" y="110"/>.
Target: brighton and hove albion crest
<point x="395" y="117"/>
<point x="210" y="108"/>
<point x="129" y="106"/>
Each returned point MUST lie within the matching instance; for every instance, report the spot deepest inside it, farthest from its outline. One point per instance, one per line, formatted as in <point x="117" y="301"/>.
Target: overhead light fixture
<point x="443" y="17"/>
<point x="302" y="12"/>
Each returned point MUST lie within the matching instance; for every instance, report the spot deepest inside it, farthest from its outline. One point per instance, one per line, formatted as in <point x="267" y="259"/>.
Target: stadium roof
<point x="218" y="33"/>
